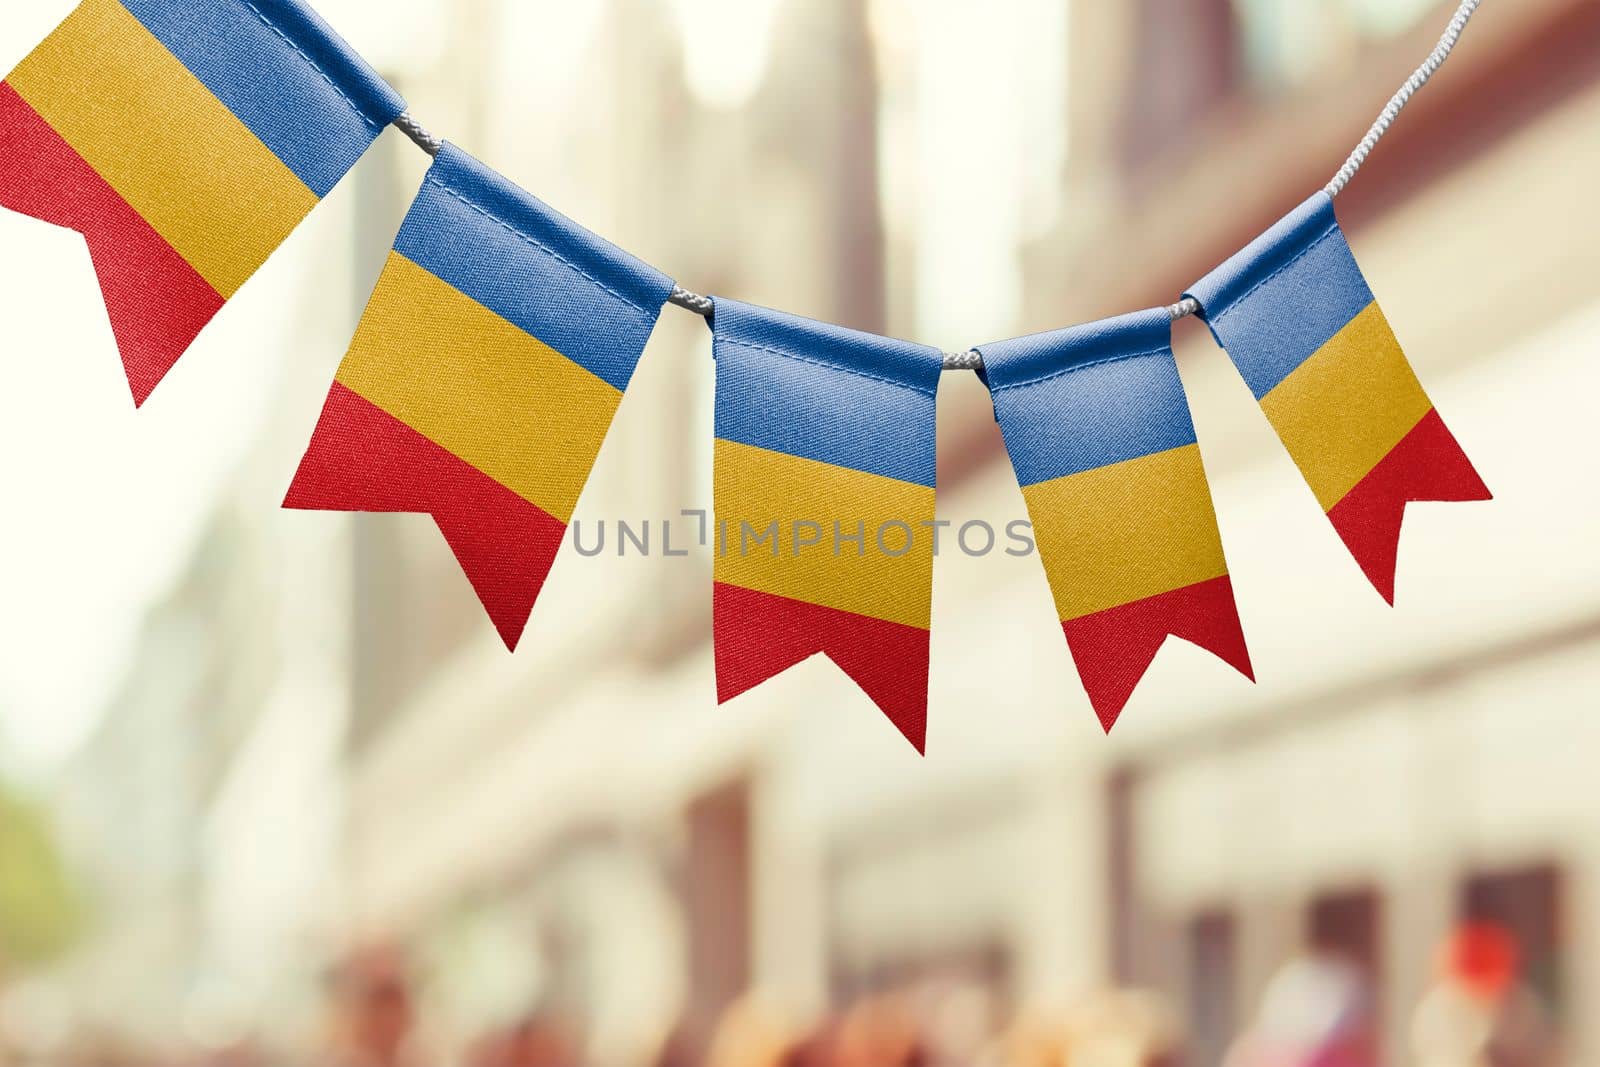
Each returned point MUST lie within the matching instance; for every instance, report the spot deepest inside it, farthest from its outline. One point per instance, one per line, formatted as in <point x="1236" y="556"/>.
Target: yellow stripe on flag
<point x="1346" y="407"/>
<point x="158" y="136"/>
<point x="1119" y="534"/>
<point x="760" y="487"/>
<point x="479" y="387"/>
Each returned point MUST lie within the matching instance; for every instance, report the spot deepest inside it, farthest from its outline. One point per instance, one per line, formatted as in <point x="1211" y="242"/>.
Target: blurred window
<point x="716" y="888"/>
<point x="1289" y="41"/>
<point x="1349" y="925"/>
<point x="1187" y="62"/>
<point x="983" y="964"/>
<point x="1526" y="903"/>
<point x="1212" y="982"/>
<point x="1192" y="55"/>
<point x="1122" y="879"/>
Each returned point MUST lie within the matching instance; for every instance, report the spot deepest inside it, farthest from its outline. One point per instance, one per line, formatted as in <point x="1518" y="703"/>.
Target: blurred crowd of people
<point x="1318" y="1011"/>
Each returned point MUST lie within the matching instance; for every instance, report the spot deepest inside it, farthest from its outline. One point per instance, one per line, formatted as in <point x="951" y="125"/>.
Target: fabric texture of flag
<point x="824" y="471"/>
<point x="1097" y="425"/>
<point x="1296" y="316"/>
<point x="483" y="378"/>
<point x="184" y="139"/>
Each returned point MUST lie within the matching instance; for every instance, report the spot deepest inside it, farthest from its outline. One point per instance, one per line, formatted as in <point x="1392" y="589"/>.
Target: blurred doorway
<point x="716" y="894"/>
<point x="1348" y="926"/>
<point x="1526" y="903"/>
<point x="1213" y="981"/>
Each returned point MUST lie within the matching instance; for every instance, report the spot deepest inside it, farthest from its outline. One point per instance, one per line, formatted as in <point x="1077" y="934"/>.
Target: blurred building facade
<point x="580" y="825"/>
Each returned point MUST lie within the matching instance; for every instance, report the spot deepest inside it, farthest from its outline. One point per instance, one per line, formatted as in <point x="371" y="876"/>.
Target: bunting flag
<point x="1296" y="316"/>
<point x="1098" y="429"/>
<point x="824" y="499"/>
<point x="184" y="139"/>
<point x="483" y="378"/>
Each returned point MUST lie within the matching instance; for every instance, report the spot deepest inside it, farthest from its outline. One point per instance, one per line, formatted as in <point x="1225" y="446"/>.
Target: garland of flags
<point x="185" y="139"/>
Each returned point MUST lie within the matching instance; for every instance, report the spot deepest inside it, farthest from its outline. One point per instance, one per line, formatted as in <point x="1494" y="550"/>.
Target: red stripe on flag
<point x="760" y="635"/>
<point x="158" y="303"/>
<point x="362" y="458"/>
<point x="1427" y="465"/>
<point x="1114" y="648"/>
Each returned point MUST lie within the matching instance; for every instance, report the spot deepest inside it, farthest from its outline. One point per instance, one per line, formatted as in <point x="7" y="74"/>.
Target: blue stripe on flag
<point x="532" y="266"/>
<point x="1079" y="399"/>
<point x="825" y="393"/>
<point x="286" y="75"/>
<point x="1285" y="295"/>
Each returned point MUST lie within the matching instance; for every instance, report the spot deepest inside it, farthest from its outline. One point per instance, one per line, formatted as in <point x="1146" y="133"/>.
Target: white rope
<point x="972" y="360"/>
<point x="1397" y="103"/>
<point x="700" y="305"/>
<point x="418" y="134"/>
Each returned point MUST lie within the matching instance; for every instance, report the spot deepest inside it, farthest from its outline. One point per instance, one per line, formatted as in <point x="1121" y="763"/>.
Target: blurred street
<point x="273" y="793"/>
